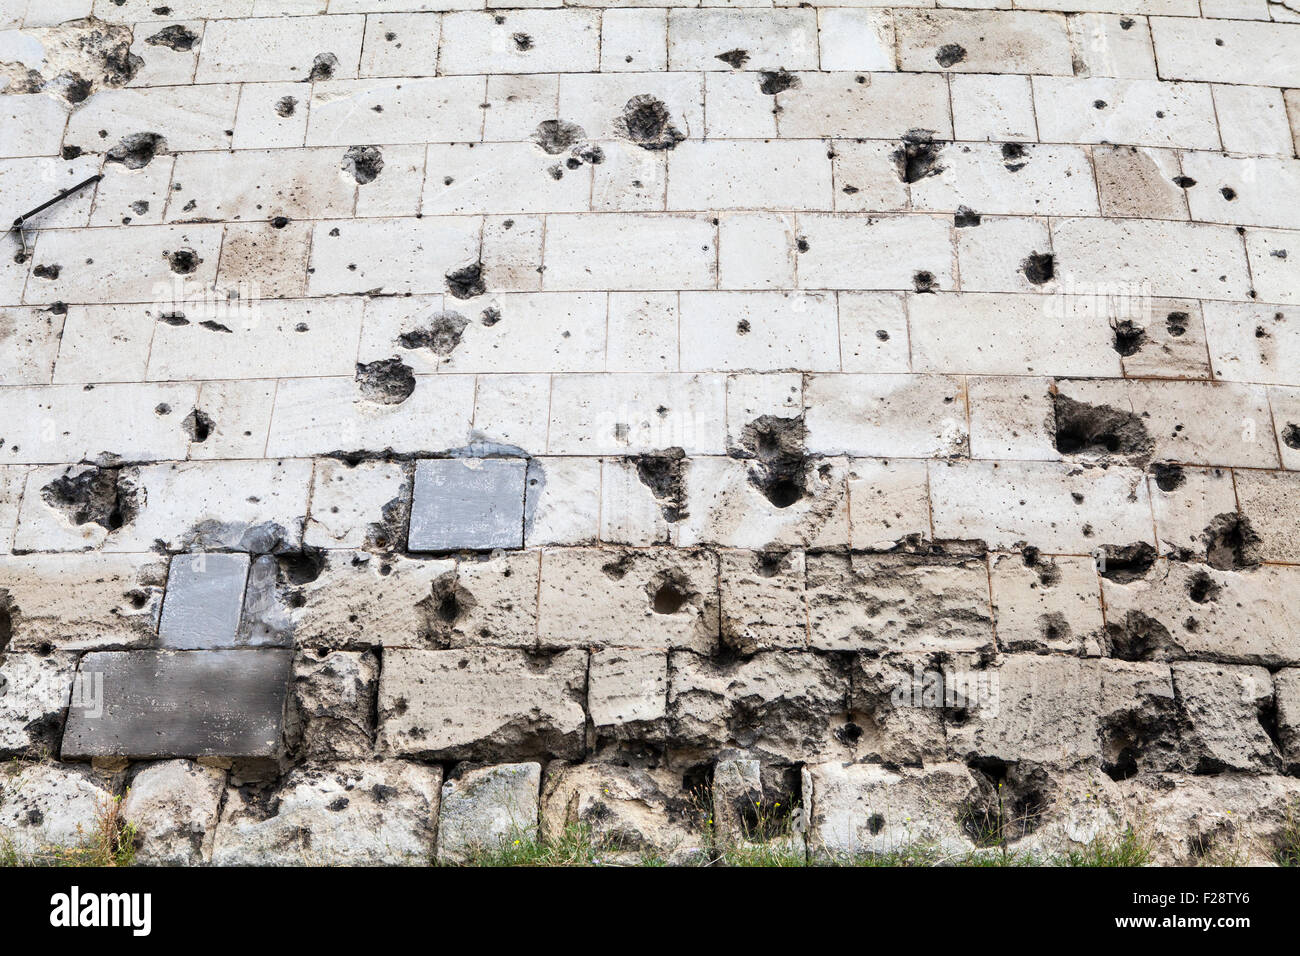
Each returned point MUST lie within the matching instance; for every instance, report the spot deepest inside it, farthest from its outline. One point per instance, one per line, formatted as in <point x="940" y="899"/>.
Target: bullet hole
<point x="301" y="567"/>
<point x="1099" y="430"/>
<point x="1014" y="157"/>
<point x="1125" y="23"/>
<point x="801" y="243"/>
<point x="137" y="150"/>
<point x="386" y="382"/>
<point x="523" y="42"/>
<point x="1231" y="543"/>
<point x="966" y="217"/>
<point x="175" y="37"/>
<point x="734" y="58"/>
<point x="70" y="152"/>
<point x="1129" y="338"/>
<point x="849" y="190"/>
<point x="1169" y="477"/>
<point x="176" y="319"/>
<point x="140" y="207"/>
<point x="917" y="156"/>
<point x="214" y="326"/>
<point x="556" y="172"/>
<point x="882" y="335"/>
<point x="950" y="54"/>
<point x="573" y="162"/>
<point x="1218" y="42"/>
<point x="591" y="153"/>
<point x="1203" y="589"/>
<point x="924" y="282"/>
<point x="77" y="88"/>
<point x="183" y="262"/>
<point x="1176" y="323"/>
<point x="47" y="272"/>
<point x="1140" y="638"/>
<point x="285" y="106"/>
<point x="669" y="591"/>
<point x="322" y="67"/>
<point x="1228" y="193"/>
<point x="467" y="281"/>
<point x="664" y="473"/>
<point x="774" y="448"/>
<point x="645" y="121"/>
<point x="1291" y="435"/>
<point x="99" y="496"/>
<point x="365" y="163"/>
<point x="773" y="82"/>
<point x="441" y="337"/>
<point x="1126" y="563"/>
<point x="555" y="136"/>
<point x="198" y="425"/>
<point x="491" y="316"/>
<point x="742" y="327"/>
<point x="162" y="408"/>
<point x="1184" y="182"/>
<point x="1039" y="267"/>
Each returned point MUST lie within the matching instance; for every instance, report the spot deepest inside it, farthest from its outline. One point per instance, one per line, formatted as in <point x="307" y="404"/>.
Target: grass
<point x="110" y="843"/>
<point x="1288" y="852"/>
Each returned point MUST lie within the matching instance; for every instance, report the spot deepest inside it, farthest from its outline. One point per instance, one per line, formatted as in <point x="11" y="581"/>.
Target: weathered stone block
<point x="1222" y="705"/>
<point x="481" y="703"/>
<point x="631" y="813"/>
<point x="34" y="693"/>
<point x="652" y="598"/>
<point x="205" y="595"/>
<point x="348" y="814"/>
<point x="484" y="808"/>
<point x="174" y="807"/>
<point x="47" y="806"/>
<point x="627" y="692"/>
<point x="467" y="504"/>
<point x="332" y="704"/>
<point x="156" y="704"/>
<point x="888" y="603"/>
<point x="763" y="600"/>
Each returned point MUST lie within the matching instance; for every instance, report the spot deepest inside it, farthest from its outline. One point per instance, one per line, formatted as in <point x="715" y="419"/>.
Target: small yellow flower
<point x="516" y="843"/>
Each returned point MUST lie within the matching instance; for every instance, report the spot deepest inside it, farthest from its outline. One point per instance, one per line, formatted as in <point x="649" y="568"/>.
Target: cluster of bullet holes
<point x="101" y="496"/>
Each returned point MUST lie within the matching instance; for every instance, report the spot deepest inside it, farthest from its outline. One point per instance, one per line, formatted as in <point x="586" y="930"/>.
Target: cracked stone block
<point x="651" y="598"/>
<point x="1222" y="704"/>
<point x="481" y="703"/>
<point x="1046" y="604"/>
<point x="467" y="504"/>
<point x="47" y="806"/>
<point x="34" y="693"/>
<point x="632" y="813"/>
<point x="80" y="602"/>
<point x="784" y="705"/>
<point x="866" y="809"/>
<point x="898" y="603"/>
<point x="763" y="600"/>
<point x="205" y="595"/>
<point x="174" y="807"/>
<point x="627" y="692"/>
<point x="1216" y="819"/>
<point x="355" y="813"/>
<point x="332" y="704"/>
<point x="484" y="808"/>
<point x="159" y="704"/>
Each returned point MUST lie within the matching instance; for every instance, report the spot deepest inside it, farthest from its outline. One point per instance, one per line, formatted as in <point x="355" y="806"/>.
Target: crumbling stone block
<point x="470" y="504"/>
<point x="484" y="808"/>
<point x="158" y="704"/>
<point x="632" y="813"/>
<point x="482" y="703"/>
<point x="358" y="813"/>
<point x="204" y="598"/>
<point x="332" y="704"/>
<point x="763" y="600"/>
<point x="49" y="806"/>
<point x="34" y="695"/>
<point x="174" y="807"/>
<point x="1223" y="704"/>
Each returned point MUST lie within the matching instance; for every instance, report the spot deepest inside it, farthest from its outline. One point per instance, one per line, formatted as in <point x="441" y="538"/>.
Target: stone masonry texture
<point x="843" y="425"/>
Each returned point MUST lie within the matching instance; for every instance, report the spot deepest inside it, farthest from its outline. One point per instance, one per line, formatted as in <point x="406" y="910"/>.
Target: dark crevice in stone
<point x="1126" y="563"/>
<point x="664" y="473"/>
<point x="387" y="381"/>
<point x="1231" y="544"/>
<point x="97" y="495"/>
<point x="1099" y="430"/>
<point x="917" y="156"/>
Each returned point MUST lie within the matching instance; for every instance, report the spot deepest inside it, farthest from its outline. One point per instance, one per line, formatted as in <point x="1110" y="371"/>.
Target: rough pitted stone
<point x="627" y="692"/>
<point x="181" y="704"/>
<point x="864" y="808"/>
<point x="1223" y="705"/>
<point x="652" y="598"/>
<point x="34" y="694"/>
<point x="174" y="807"/>
<point x="631" y="813"/>
<point x="897" y="603"/>
<point x="1286" y="690"/>
<point x="486" y="807"/>
<point x="481" y="702"/>
<point x="763" y="600"/>
<point x="346" y="814"/>
<point x="332" y="704"/>
<point x="785" y="704"/>
<point x="473" y="504"/>
<point x="45" y="806"/>
<point x="205" y="595"/>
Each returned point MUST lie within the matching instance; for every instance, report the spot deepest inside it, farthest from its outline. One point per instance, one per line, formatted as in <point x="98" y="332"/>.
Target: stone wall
<point x="850" y="428"/>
